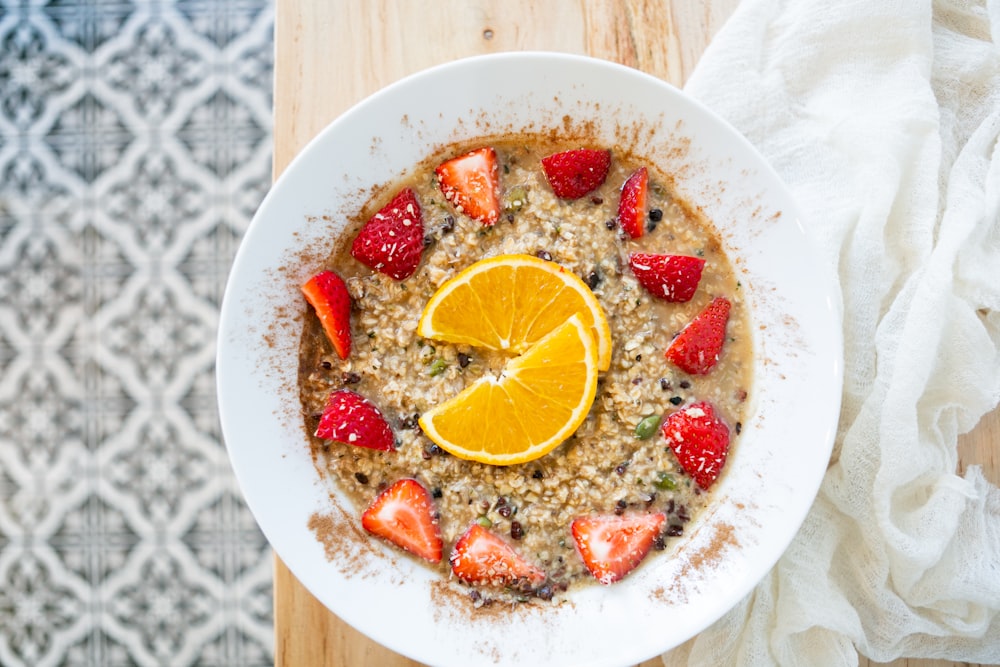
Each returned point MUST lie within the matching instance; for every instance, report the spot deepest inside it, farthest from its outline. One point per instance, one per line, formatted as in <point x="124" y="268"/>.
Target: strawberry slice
<point x="669" y="277"/>
<point x="696" y="348"/>
<point x="699" y="440"/>
<point x="612" y="545"/>
<point x="328" y="295"/>
<point x="404" y="514"/>
<point x="480" y="557"/>
<point x="392" y="241"/>
<point x="632" y="205"/>
<point x="472" y="183"/>
<point x="354" y="420"/>
<point x="572" y="174"/>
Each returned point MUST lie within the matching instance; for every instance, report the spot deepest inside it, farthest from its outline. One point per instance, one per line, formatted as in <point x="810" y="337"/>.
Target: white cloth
<point x="883" y="117"/>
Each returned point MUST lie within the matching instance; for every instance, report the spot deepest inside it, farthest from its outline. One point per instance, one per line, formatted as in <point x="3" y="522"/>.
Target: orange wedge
<point x="510" y="302"/>
<point x="539" y="399"/>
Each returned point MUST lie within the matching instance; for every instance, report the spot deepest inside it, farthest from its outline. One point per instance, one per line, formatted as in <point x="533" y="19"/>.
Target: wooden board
<point x="330" y="54"/>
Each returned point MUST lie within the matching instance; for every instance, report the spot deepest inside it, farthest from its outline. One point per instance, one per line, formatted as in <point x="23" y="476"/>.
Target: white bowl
<point x="773" y="473"/>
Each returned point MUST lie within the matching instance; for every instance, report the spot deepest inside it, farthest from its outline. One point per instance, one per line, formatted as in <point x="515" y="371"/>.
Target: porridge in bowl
<point x="527" y="365"/>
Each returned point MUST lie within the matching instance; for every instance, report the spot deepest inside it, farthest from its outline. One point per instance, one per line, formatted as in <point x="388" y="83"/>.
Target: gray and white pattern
<point x="135" y="144"/>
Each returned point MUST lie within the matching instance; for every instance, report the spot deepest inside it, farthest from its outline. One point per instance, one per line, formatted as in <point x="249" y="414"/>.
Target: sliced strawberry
<point x="404" y="514"/>
<point x="328" y="295"/>
<point x="392" y="241"/>
<point x="612" y="545"/>
<point x="697" y="347"/>
<point x="572" y="174"/>
<point x="480" y="557"/>
<point x="354" y="420"/>
<point x="632" y="205"/>
<point x="472" y="183"/>
<point x="669" y="277"/>
<point x="699" y="440"/>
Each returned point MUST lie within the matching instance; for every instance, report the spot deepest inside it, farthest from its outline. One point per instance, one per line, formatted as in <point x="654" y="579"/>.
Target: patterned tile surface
<point x="134" y="147"/>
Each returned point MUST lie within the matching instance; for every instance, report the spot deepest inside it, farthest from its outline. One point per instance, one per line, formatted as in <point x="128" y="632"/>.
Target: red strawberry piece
<point x="354" y="420"/>
<point x="392" y="241"/>
<point x="572" y="174"/>
<point x="472" y="183"/>
<point x="613" y="545"/>
<point x="327" y="294"/>
<point x="480" y="557"/>
<point x="697" y="347"/>
<point x="699" y="440"/>
<point x="404" y="514"/>
<point x="669" y="277"/>
<point x="632" y="205"/>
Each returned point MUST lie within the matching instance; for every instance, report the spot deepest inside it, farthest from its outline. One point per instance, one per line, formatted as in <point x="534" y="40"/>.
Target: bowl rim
<point x="229" y="321"/>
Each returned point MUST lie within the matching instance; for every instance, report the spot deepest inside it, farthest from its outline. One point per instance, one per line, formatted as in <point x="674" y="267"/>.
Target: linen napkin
<point x="883" y="117"/>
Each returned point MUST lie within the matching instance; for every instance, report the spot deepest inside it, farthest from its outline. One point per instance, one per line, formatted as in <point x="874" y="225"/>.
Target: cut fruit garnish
<point x="327" y="293"/>
<point x="611" y="546"/>
<point x="480" y="557"/>
<point x="404" y="514"/>
<point x="510" y="302"/>
<point x="471" y="182"/>
<point x="539" y="399"/>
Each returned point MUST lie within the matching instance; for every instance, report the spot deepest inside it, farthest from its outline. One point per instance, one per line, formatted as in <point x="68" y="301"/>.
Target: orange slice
<point x="538" y="400"/>
<point x="510" y="302"/>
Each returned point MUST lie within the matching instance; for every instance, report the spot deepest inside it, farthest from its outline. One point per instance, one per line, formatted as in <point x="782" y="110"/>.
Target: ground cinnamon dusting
<point x="343" y="544"/>
<point x="723" y="539"/>
<point x="697" y="562"/>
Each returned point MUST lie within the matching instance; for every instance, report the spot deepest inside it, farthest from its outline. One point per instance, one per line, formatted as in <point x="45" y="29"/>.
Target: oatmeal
<point x="628" y="458"/>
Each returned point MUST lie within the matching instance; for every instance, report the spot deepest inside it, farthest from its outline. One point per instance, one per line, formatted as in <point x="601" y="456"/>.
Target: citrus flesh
<point x="510" y="302"/>
<point x="538" y="400"/>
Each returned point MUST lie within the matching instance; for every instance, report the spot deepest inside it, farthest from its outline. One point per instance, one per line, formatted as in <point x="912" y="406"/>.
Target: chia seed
<point x="544" y="254"/>
<point x="361" y="477"/>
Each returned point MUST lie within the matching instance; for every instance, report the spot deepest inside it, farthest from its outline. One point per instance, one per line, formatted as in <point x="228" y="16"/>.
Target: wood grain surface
<point x="331" y="54"/>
